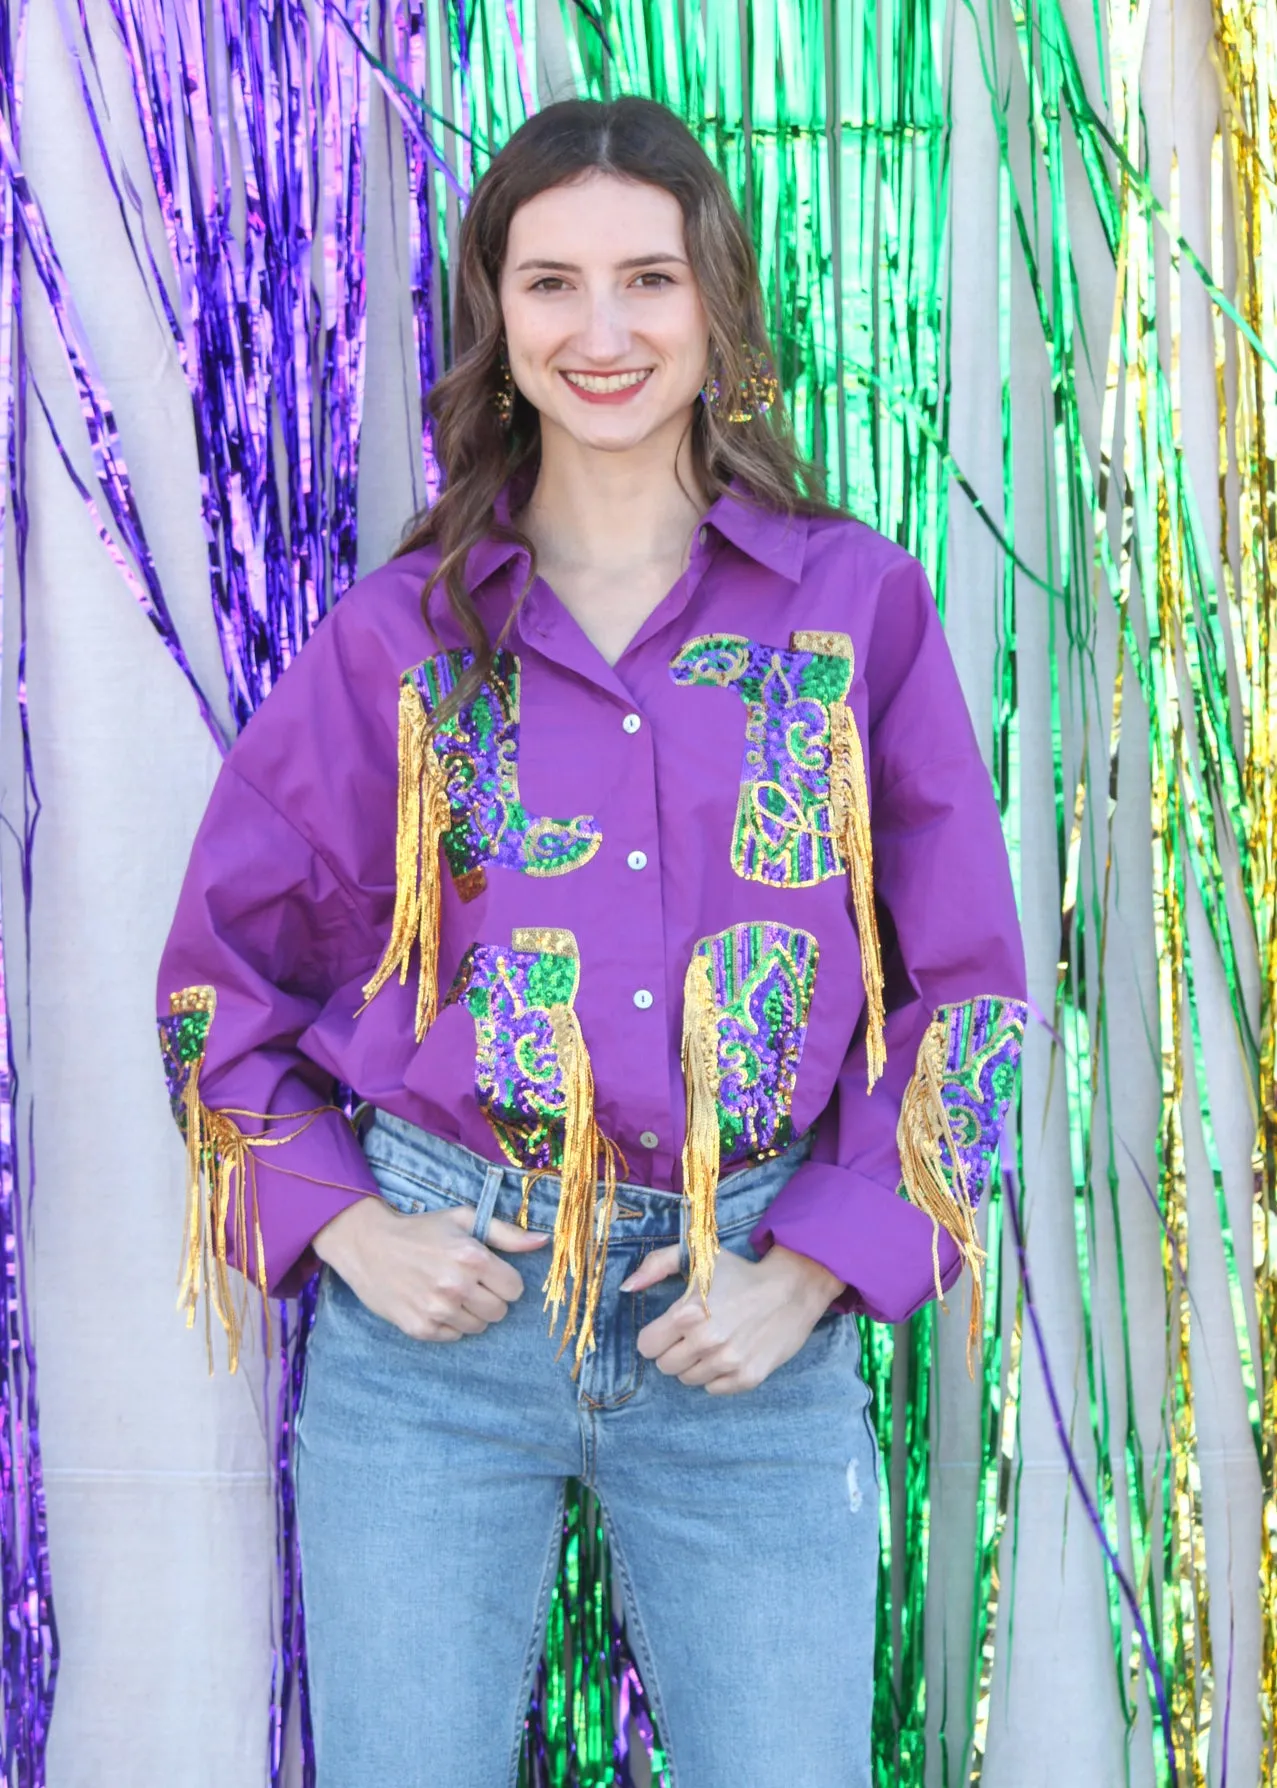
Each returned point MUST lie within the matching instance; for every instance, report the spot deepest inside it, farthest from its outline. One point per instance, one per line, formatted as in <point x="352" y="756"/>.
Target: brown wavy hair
<point x="636" y="139"/>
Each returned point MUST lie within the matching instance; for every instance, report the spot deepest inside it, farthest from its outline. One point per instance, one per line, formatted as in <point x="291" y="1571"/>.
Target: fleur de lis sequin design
<point x="787" y="821"/>
<point x="982" y="1041"/>
<point x="517" y="994"/>
<point x="950" y="1128"/>
<point x="478" y="752"/>
<point x="761" y="980"/>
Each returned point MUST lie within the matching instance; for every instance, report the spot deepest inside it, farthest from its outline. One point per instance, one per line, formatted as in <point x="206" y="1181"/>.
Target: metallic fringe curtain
<point x="1150" y="584"/>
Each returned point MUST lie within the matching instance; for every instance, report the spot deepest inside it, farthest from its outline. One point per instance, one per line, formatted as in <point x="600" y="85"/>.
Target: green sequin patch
<point x="762" y="977"/>
<point x="478" y="749"/>
<point x="984" y="1041"/>
<point x="784" y="831"/>
<point x="183" y="1038"/>
<point x="510" y="991"/>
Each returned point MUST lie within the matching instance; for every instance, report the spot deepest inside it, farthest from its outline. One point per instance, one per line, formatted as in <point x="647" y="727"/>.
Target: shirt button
<point x="704" y="535"/>
<point x="649" y="1139"/>
<point x="637" y="859"/>
<point x="642" y="999"/>
<point x="632" y="723"/>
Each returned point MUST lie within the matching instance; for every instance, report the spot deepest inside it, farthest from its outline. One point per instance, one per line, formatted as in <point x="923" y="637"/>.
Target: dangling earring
<point x="758" y="389"/>
<point x="503" y="399"/>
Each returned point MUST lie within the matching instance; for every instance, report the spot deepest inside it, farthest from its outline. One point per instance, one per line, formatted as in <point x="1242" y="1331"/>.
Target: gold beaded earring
<point x="758" y="390"/>
<point x="503" y="399"/>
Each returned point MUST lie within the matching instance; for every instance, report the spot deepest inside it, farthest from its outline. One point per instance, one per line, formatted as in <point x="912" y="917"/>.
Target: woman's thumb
<point x="511" y="1239"/>
<point x="658" y="1265"/>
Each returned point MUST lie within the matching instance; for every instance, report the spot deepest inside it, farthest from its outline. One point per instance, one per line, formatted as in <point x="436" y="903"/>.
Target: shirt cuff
<point x="878" y="1243"/>
<point x="301" y="1185"/>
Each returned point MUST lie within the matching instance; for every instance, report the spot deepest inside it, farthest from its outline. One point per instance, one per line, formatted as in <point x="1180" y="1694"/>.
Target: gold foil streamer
<point x="1244" y="201"/>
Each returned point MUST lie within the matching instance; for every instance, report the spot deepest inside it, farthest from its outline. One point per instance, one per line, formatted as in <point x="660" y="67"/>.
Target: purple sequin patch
<point x="982" y="1067"/>
<point x="784" y="822"/>
<point x="518" y="1076"/>
<point x="762" y="977"/>
<point x="478" y="749"/>
<point x="183" y="1037"/>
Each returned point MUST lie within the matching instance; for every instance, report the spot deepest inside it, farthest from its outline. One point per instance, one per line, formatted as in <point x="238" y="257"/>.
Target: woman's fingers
<point x="654" y="1267"/>
<point x="485" y="1304"/>
<point x="512" y="1239"/>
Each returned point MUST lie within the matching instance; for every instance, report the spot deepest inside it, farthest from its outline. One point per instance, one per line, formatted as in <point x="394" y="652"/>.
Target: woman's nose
<point x="603" y="333"/>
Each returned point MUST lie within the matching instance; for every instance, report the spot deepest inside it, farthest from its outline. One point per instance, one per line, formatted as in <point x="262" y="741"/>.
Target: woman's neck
<point x="600" y="512"/>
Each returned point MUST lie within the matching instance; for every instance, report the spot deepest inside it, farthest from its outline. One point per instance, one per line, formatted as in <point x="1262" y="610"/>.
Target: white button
<point x="704" y="535"/>
<point x="642" y="999"/>
<point x="632" y="723"/>
<point x="649" y="1139"/>
<point x="637" y="859"/>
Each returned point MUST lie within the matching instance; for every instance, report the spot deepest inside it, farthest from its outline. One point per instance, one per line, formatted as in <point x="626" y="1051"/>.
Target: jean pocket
<point x="407" y="1194"/>
<point x="733" y="1238"/>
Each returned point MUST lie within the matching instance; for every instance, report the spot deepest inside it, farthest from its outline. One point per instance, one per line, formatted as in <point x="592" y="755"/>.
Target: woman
<point x="710" y="1060"/>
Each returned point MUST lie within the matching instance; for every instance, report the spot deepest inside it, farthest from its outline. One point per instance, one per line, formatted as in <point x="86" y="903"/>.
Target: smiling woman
<point x="625" y="845"/>
<point x="603" y="241"/>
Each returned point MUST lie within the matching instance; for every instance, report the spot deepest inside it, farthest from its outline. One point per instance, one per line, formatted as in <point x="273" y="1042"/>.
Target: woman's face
<point x="605" y="329"/>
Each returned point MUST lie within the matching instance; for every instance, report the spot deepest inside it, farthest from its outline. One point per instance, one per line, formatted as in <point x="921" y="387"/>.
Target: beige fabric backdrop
<point x="159" y="1499"/>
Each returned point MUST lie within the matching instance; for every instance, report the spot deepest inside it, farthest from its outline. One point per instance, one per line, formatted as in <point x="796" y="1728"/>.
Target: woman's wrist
<point x="336" y="1243"/>
<point x="811" y="1279"/>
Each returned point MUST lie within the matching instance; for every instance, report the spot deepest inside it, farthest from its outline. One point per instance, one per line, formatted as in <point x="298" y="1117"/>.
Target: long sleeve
<point x="895" y="1227"/>
<point x="269" y="928"/>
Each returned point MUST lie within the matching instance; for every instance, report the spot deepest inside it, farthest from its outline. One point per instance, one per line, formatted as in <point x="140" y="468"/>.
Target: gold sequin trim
<point x="545" y="940"/>
<point x="825" y="645"/>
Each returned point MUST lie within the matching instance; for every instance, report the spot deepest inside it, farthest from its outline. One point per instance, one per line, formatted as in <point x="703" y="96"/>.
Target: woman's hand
<point x="760" y="1314"/>
<point x="426" y="1273"/>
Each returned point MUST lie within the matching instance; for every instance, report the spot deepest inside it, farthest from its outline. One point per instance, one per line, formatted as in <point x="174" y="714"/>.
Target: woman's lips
<point x="619" y="396"/>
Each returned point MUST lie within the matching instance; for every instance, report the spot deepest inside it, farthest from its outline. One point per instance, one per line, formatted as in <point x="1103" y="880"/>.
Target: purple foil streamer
<point x="109" y="467"/>
<point x="1010" y="1181"/>
<point x="254" y="126"/>
<point x="289" y="1664"/>
<point x="29" y="1645"/>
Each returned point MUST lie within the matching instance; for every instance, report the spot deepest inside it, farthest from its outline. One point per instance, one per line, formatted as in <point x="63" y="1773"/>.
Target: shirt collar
<point x="769" y="536"/>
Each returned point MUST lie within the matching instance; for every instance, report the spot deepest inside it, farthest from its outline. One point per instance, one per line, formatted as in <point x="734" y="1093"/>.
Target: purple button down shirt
<point x="674" y="803"/>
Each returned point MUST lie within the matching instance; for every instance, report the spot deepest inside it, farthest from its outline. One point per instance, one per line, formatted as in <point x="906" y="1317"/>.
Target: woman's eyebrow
<point x="622" y="266"/>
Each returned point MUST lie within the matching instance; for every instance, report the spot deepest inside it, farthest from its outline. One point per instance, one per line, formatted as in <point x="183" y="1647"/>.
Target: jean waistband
<point x="404" y="1150"/>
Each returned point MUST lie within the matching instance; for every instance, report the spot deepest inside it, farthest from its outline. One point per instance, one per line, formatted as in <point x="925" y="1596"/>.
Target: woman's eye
<point x="550" y="282"/>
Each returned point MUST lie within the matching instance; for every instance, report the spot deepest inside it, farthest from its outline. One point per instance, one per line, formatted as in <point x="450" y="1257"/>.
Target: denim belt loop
<point x="684" y="1252"/>
<point x="493" y="1179"/>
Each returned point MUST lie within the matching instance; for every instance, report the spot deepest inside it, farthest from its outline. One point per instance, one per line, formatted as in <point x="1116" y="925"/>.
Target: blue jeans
<point x="743" y="1528"/>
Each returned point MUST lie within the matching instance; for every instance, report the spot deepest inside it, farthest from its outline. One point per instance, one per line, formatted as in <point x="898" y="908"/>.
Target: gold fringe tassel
<point x="701" y="1142"/>
<point x="849" y="797"/>
<point x="924" y="1124"/>
<point x="583" y="1220"/>
<point x="219" y="1168"/>
<point x="424" y="817"/>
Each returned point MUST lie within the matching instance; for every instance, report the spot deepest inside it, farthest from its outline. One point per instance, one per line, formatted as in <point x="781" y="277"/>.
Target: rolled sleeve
<point x="951" y="938"/>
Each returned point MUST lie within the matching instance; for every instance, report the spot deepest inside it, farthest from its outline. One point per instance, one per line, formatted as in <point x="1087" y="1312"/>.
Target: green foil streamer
<point x="831" y="127"/>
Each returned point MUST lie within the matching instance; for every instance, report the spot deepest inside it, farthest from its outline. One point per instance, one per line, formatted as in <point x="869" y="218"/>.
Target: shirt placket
<point x="641" y="982"/>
